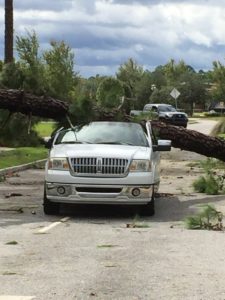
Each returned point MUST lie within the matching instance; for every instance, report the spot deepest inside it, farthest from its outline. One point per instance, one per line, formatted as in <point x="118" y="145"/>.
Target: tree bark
<point x="47" y="107"/>
<point x="29" y="104"/>
<point x="191" y="140"/>
<point x="8" y="31"/>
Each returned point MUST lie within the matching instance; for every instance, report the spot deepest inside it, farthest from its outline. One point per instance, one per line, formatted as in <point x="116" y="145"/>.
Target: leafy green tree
<point x="193" y="92"/>
<point x="83" y="99"/>
<point x="218" y="77"/>
<point x="143" y="90"/>
<point x="51" y="74"/>
<point x="11" y="76"/>
<point x="130" y="73"/>
<point x="162" y="95"/>
<point x="28" y="74"/>
<point x="1" y="65"/>
<point x="89" y="86"/>
<point x="9" y="133"/>
<point x="31" y="64"/>
<point x="173" y="71"/>
<point x="158" y="77"/>
<point x="109" y="93"/>
<point x="206" y="76"/>
<point x="81" y="110"/>
<point x="190" y="84"/>
<point x="59" y="70"/>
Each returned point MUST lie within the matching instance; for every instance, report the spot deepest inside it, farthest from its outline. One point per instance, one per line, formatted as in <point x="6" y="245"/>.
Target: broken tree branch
<point x="27" y="103"/>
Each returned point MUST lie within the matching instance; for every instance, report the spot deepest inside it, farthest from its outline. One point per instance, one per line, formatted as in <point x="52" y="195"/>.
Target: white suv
<point x="103" y="163"/>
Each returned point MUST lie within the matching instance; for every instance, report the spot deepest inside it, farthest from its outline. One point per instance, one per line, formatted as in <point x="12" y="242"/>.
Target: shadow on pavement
<point x="168" y="209"/>
<point x="172" y="209"/>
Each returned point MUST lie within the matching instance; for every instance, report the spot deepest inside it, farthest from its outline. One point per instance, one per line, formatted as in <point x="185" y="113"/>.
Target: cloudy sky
<point x="105" y="33"/>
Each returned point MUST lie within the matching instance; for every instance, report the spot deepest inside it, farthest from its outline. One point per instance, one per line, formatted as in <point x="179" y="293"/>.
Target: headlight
<point x="58" y="163"/>
<point x="140" y="165"/>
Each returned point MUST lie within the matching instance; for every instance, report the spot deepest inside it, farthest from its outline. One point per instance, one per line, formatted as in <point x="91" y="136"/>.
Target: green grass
<point x="208" y="117"/>
<point x="208" y="218"/>
<point x="222" y="135"/>
<point x="21" y="156"/>
<point x="45" y="129"/>
<point x="198" y="115"/>
<point x="210" y="162"/>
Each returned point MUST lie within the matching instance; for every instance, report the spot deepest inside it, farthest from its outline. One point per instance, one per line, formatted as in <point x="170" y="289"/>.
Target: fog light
<point x="136" y="192"/>
<point x="61" y="190"/>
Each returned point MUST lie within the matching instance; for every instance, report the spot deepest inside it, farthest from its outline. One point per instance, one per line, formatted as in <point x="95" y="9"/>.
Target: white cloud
<point x="104" y="33"/>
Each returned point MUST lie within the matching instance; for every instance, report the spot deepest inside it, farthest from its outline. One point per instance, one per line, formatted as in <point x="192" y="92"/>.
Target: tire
<point x="50" y="208"/>
<point x="162" y="120"/>
<point x="149" y="209"/>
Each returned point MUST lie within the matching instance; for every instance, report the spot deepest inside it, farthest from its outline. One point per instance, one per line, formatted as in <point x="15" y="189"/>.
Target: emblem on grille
<point x="99" y="165"/>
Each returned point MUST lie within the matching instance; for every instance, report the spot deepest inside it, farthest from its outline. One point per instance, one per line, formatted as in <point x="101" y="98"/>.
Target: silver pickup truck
<point x="163" y="112"/>
<point x="104" y="163"/>
<point x="167" y="114"/>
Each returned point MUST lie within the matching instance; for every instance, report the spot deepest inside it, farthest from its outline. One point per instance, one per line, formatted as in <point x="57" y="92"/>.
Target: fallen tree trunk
<point x="191" y="140"/>
<point x="47" y="107"/>
<point x="29" y="104"/>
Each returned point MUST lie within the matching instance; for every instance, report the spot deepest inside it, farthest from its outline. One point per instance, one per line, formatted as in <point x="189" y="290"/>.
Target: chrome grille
<point x="178" y="117"/>
<point x="99" y="166"/>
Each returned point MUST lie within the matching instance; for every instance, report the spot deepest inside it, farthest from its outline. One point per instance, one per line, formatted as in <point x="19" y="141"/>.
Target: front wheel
<point x="50" y="208"/>
<point x="149" y="209"/>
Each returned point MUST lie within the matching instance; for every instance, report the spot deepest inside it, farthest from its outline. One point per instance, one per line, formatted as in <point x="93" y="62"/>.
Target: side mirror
<point x="162" y="145"/>
<point x="48" y="144"/>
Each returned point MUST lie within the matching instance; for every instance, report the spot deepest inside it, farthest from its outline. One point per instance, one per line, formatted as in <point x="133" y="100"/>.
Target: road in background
<point x="202" y="125"/>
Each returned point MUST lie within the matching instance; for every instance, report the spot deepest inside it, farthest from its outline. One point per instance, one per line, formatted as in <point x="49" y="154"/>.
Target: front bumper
<point x="177" y="122"/>
<point x="98" y="194"/>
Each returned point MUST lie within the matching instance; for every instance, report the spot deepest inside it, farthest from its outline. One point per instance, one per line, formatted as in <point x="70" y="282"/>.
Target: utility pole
<point x="8" y="31"/>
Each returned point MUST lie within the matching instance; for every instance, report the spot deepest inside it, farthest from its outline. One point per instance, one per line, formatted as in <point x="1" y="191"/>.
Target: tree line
<point x="52" y="73"/>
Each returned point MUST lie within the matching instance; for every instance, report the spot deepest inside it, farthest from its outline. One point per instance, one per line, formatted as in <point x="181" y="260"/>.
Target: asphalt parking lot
<point x="102" y="252"/>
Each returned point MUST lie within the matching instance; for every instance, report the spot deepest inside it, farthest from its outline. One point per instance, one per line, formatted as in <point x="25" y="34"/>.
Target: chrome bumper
<point x="98" y="194"/>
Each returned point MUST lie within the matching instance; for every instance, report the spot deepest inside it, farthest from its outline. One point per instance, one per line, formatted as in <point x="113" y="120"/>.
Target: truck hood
<point x="100" y="150"/>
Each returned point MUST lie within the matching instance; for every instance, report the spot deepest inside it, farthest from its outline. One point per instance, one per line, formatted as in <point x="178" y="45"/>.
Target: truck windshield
<point x="120" y="133"/>
<point x="165" y="108"/>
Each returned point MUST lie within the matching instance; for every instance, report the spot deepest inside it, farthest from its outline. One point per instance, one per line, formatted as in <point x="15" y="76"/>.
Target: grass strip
<point x="44" y="129"/>
<point x="20" y="156"/>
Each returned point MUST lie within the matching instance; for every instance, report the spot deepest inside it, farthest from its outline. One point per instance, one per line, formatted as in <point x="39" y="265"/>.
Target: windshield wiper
<point x="115" y="143"/>
<point x="75" y="142"/>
